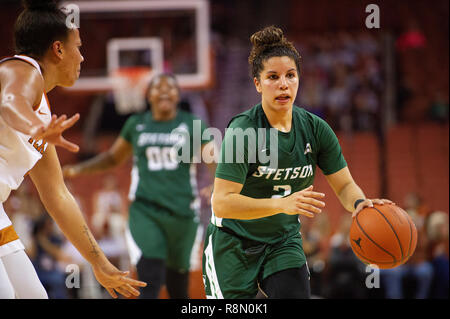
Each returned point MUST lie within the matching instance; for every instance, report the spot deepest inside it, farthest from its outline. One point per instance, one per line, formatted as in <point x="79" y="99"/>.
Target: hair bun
<point x="267" y="36"/>
<point x="40" y="5"/>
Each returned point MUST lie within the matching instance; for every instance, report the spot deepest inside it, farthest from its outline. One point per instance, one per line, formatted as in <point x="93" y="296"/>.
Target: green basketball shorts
<point x="233" y="267"/>
<point x="159" y="233"/>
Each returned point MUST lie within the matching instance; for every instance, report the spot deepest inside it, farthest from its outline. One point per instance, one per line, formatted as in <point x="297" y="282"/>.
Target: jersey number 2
<point x="287" y="190"/>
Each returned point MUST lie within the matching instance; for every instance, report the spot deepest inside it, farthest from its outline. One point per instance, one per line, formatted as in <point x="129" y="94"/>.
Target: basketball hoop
<point x="129" y="85"/>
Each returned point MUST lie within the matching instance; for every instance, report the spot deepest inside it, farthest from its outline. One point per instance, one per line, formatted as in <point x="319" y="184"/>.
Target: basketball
<point x="383" y="235"/>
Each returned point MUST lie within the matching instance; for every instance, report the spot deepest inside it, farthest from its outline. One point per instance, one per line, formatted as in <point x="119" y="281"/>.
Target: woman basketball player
<point x="253" y="239"/>
<point x="48" y="55"/>
<point x="163" y="215"/>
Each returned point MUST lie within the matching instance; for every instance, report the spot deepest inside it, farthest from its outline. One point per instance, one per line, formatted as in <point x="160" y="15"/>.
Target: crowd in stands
<point x="342" y="79"/>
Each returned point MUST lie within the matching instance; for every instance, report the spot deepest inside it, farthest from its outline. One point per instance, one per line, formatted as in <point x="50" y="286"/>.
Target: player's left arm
<point x="210" y="155"/>
<point x="62" y="207"/>
<point x="348" y="192"/>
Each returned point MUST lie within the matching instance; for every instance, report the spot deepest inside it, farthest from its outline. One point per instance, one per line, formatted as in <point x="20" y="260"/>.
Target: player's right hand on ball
<point x="305" y="202"/>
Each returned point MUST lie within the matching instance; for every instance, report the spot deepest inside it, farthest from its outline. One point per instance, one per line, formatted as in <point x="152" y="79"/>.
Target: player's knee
<point x="152" y="271"/>
<point x="177" y="283"/>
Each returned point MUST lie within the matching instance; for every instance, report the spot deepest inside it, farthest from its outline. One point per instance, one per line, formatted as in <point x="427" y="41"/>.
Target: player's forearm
<point x="237" y="206"/>
<point x="349" y="194"/>
<point x="210" y="157"/>
<point x="97" y="164"/>
<point x="67" y="215"/>
<point x="212" y="169"/>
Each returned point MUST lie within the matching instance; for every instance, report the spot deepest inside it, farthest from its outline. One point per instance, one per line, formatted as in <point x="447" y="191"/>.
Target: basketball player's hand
<point x="305" y="202"/>
<point x="52" y="133"/>
<point x="369" y="203"/>
<point x="70" y="171"/>
<point x="115" y="280"/>
<point x="206" y="192"/>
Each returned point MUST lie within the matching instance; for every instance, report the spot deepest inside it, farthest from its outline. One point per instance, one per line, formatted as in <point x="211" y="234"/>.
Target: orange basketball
<point x="384" y="235"/>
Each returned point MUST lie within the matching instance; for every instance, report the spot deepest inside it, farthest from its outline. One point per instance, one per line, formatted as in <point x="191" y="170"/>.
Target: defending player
<point x="48" y="55"/>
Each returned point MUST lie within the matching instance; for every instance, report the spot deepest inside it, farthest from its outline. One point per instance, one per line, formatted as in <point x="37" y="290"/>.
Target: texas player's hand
<point x="115" y="280"/>
<point x="52" y="133"/>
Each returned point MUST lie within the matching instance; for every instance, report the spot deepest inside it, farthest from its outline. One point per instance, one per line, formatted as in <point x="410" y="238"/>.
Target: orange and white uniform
<point x="18" y="154"/>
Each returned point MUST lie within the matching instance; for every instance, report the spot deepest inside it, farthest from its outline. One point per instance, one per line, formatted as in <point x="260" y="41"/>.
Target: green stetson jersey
<point x="310" y="142"/>
<point x="164" y="165"/>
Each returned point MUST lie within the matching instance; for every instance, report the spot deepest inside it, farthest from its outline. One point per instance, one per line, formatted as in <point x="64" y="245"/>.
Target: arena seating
<point x="417" y="162"/>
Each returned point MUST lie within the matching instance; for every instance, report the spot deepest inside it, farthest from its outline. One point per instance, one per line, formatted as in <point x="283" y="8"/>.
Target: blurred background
<point x="383" y="90"/>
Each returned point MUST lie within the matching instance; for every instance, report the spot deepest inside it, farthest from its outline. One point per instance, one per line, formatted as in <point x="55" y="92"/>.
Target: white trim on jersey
<point x="196" y="202"/>
<point x="211" y="274"/>
<point x="134" y="183"/>
<point x="217" y="221"/>
<point x="30" y="60"/>
<point x="195" y="262"/>
<point x="134" y="251"/>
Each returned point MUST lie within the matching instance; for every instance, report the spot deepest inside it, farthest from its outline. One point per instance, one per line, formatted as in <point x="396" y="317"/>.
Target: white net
<point x="129" y="86"/>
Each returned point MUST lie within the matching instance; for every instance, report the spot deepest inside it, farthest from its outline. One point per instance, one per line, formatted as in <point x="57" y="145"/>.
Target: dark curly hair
<point x="38" y="26"/>
<point x="267" y="43"/>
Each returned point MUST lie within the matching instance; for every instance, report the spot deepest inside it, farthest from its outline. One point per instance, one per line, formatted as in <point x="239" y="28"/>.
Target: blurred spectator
<point x="437" y="230"/>
<point x="324" y="56"/>
<point x="315" y="234"/>
<point x="418" y="270"/>
<point x="345" y="273"/>
<point x="338" y="99"/>
<point x="438" y="110"/>
<point x="341" y="79"/>
<point x="345" y="49"/>
<point x="367" y="44"/>
<point x="46" y="253"/>
<point x="312" y="92"/>
<point x="365" y="109"/>
<point x="412" y="38"/>
<point x="405" y="93"/>
<point x="416" y="206"/>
